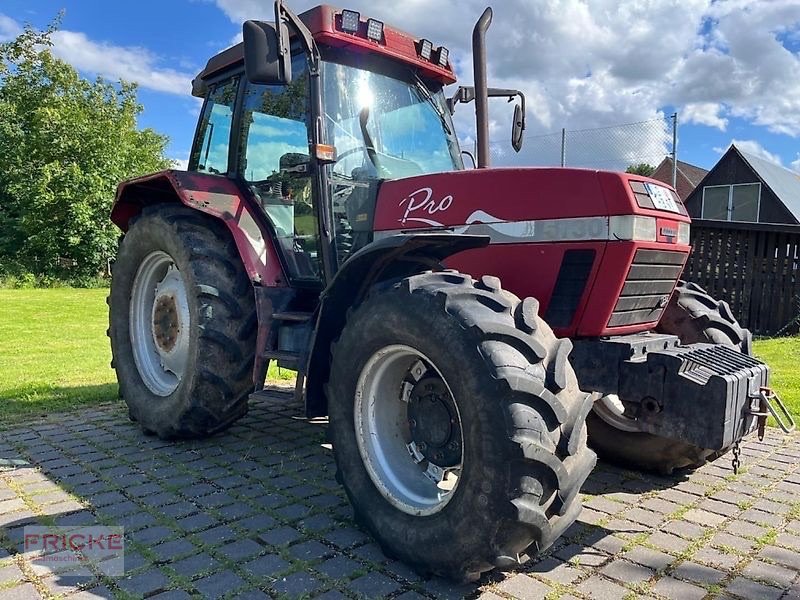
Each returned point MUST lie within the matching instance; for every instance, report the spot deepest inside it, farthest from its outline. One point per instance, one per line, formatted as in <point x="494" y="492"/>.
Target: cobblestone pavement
<point x="256" y="513"/>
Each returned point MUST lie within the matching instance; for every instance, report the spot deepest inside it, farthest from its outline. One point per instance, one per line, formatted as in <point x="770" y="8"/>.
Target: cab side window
<point x="210" y="154"/>
<point x="274" y="161"/>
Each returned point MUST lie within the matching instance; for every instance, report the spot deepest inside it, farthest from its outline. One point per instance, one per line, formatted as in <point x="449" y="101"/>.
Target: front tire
<point x="441" y="378"/>
<point x="695" y="317"/>
<point x="182" y="324"/>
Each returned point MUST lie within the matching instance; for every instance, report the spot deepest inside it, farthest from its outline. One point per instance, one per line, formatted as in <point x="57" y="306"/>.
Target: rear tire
<point x="182" y="324"/>
<point x="505" y="380"/>
<point x="695" y="317"/>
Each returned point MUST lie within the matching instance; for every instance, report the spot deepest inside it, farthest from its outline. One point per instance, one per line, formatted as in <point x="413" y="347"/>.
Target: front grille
<point x="646" y="291"/>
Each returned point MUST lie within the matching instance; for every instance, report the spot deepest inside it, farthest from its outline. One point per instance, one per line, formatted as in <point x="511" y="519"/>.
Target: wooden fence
<point x="754" y="266"/>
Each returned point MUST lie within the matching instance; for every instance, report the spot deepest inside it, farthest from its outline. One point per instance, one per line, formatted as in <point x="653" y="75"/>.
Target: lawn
<point x="54" y="354"/>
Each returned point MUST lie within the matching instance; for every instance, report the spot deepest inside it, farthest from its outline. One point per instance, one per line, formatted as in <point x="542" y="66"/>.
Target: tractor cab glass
<point x="383" y="127"/>
<point x="274" y="162"/>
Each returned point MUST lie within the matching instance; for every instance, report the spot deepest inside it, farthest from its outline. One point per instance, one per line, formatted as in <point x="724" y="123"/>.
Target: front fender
<point x="216" y="196"/>
<point x="392" y="257"/>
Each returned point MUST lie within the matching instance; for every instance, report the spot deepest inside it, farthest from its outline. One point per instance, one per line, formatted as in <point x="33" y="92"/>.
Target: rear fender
<point x="389" y="258"/>
<point x="216" y="196"/>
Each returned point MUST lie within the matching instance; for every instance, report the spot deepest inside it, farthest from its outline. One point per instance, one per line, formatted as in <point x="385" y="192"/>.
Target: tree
<point x="65" y="144"/>
<point x="641" y="169"/>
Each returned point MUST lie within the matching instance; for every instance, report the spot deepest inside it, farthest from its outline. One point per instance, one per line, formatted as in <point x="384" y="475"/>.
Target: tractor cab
<point x="355" y="103"/>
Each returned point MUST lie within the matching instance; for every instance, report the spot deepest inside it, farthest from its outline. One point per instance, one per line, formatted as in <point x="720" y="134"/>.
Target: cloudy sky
<point x="730" y="68"/>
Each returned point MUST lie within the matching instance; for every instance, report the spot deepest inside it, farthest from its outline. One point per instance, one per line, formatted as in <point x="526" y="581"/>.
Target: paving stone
<point x="256" y="523"/>
<point x="716" y="558"/>
<point x="752" y="590"/>
<point x="9" y="574"/>
<point x="732" y="541"/>
<point x="557" y="571"/>
<point x="685" y="529"/>
<point x="599" y="588"/>
<point x="678" y="590"/>
<point x="219" y="584"/>
<point x="771" y="574"/>
<point x="282" y="536"/>
<point x="762" y="518"/>
<point x="218" y="535"/>
<point x="241" y="549"/>
<point x="68" y="583"/>
<point x="96" y="593"/>
<point x="626" y="572"/>
<point x="310" y="550"/>
<point x="374" y="585"/>
<point x="196" y="522"/>
<point x="704" y="517"/>
<point x="660" y="505"/>
<point x="296" y="584"/>
<point x="339" y="567"/>
<point x="153" y="535"/>
<point x="650" y="558"/>
<point x="790" y="558"/>
<point x="646" y="517"/>
<point x="194" y="565"/>
<point x="789" y="540"/>
<point x="346" y="537"/>
<point x="670" y="543"/>
<point x="26" y="591"/>
<point x="604" y="504"/>
<point x="255" y="595"/>
<point x="698" y="573"/>
<point x="523" y="586"/>
<point x="721" y="508"/>
<point x="576" y="554"/>
<point x="266" y="566"/>
<point x="144" y="584"/>
<point x="173" y="549"/>
<point x="172" y="595"/>
<point x="745" y="529"/>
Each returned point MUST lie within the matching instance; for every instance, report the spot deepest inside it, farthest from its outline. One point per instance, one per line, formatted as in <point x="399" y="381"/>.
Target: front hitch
<point x="766" y="397"/>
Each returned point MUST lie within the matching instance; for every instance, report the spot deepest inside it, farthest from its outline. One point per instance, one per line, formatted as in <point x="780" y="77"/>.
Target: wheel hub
<point x="165" y="323"/>
<point x="432" y="420"/>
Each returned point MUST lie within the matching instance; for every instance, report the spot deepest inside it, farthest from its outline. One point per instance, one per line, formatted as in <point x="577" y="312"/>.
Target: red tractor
<point x="320" y="225"/>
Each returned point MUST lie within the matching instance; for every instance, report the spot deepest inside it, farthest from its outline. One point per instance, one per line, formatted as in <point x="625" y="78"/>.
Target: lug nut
<point x="422" y="446"/>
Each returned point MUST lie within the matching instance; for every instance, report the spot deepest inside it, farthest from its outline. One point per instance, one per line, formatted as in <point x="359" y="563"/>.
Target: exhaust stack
<point x="481" y="87"/>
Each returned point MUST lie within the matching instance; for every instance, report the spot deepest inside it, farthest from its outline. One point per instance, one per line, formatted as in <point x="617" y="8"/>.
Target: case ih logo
<point x="104" y="547"/>
<point x="420" y="203"/>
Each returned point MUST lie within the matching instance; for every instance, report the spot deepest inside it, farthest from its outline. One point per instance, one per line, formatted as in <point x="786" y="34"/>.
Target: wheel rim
<point x="611" y="409"/>
<point x="408" y="429"/>
<point x="159" y="323"/>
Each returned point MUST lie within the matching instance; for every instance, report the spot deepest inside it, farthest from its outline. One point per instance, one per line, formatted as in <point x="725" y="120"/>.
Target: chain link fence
<point x="613" y="148"/>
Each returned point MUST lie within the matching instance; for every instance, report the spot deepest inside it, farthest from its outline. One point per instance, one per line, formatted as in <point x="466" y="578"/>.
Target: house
<point x="688" y="176"/>
<point x="744" y="187"/>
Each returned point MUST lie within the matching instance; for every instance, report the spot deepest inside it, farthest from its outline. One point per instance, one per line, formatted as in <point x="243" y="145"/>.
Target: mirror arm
<point x="282" y="12"/>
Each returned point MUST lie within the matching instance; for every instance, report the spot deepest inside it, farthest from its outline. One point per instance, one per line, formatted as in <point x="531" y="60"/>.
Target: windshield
<point x="392" y="127"/>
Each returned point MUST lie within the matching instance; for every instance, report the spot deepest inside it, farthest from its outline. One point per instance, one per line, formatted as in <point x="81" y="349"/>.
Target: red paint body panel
<point x="530" y="268"/>
<point x="213" y="195"/>
<point x="324" y="22"/>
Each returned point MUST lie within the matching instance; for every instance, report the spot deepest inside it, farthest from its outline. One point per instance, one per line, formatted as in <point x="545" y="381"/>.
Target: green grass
<point x="782" y="354"/>
<point x="54" y="353"/>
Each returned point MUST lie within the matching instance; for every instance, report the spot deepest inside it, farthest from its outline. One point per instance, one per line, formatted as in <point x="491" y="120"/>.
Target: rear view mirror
<point x="517" y="128"/>
<point x="266" y="53"/>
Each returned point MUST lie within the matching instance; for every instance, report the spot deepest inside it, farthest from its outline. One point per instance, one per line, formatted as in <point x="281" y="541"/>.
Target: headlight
<point x="350" y="20"/>
<point x="375" y="30"/>
<point x="634" y="228"/>
<point x="684" y="231"/>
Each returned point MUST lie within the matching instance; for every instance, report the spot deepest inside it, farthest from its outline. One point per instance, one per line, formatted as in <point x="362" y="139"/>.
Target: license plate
<point x="661" y="197"/>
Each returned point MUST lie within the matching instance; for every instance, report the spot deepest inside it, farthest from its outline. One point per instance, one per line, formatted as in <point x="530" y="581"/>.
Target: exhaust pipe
<point x="481" y="87"/>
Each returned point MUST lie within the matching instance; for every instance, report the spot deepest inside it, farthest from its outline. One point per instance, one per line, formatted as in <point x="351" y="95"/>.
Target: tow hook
<point x="767" y="401"/>
<point x="763" y="405"/>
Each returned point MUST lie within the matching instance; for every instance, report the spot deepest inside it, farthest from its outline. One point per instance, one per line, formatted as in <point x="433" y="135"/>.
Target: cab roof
<point x="324" y="22"/>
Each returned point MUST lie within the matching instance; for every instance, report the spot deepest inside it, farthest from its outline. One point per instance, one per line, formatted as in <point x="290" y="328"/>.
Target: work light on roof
<point x="442" y="55"/>
<point x="350" y="20"/>
<point x="425" y="49"/>
<point x="374" y="30"/>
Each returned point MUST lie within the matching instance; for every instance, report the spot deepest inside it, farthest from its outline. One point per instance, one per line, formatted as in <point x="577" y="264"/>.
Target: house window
<point x="738" y="202"/>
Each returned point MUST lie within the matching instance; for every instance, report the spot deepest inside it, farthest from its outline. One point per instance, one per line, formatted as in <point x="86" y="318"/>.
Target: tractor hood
<point x="529" y="205"/>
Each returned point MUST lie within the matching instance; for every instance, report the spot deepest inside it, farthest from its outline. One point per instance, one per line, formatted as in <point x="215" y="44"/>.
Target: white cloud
<point x="130" y="63"/>
<point x="180" y="163"/>
<point x="753" y="147"/>
<point x="795" y="164"/>
<point x="704" y="113"/>
<point x="9" y="28"/>
<point x="118" y="62"/>
<point x="593" y="63"/>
